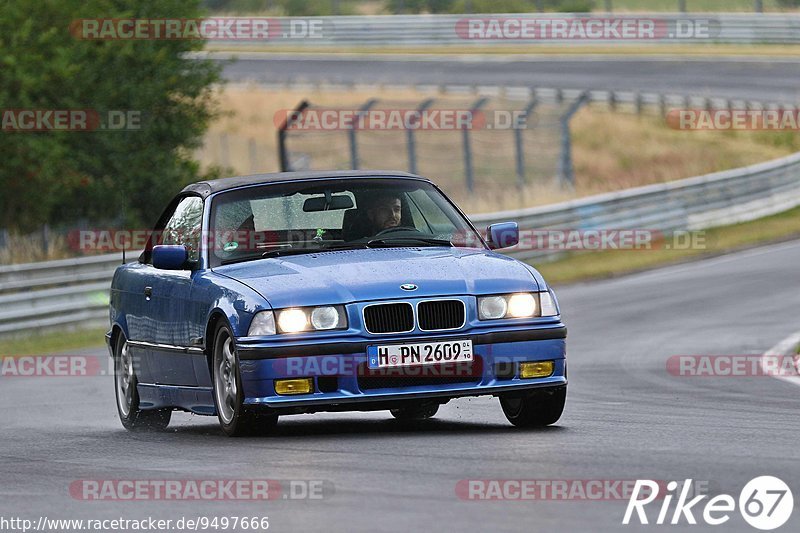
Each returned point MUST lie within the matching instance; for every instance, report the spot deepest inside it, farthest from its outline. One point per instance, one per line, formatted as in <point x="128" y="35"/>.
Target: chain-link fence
<point x="473" y="146"/>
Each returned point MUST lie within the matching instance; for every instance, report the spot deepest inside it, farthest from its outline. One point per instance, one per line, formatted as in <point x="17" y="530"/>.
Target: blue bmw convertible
<point x="289" y="293"/>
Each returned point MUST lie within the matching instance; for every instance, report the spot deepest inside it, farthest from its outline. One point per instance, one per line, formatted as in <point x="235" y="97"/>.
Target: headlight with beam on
<point x="292" y="320"/>
<point x="321" y="318"/>
<point x="517" y="305"/>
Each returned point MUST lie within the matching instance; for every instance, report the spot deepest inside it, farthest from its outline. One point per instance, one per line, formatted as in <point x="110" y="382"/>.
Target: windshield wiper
<point x="393" y="241"/>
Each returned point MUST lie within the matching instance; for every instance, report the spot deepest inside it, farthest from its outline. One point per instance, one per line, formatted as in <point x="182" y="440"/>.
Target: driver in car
<point x="384" y="213"/>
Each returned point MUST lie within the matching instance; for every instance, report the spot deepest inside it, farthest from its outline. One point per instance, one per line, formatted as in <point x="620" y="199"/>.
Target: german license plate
<point x="418" y="354"/>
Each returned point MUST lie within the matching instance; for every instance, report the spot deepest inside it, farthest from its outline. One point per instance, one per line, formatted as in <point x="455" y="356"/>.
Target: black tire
<point x="235" y="419"/>
<point x="535" y="409"/>
<point x="125" y="383"/>
<point x="416" y="411"/>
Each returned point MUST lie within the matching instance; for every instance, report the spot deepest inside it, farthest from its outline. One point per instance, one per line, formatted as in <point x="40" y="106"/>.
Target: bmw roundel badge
<point x="408" y="287"/>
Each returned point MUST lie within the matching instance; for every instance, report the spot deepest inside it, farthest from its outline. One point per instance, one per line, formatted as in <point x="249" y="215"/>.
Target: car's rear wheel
<point x="535" y="409"/>
<point x="236" y="419"/>
<point x="416" y="411"/>
<point x="125" y="383"/>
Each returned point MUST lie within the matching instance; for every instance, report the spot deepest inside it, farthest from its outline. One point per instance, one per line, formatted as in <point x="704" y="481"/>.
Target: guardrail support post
<point x="412" y="147"/>
<point x="682" y="6"/>
<point x="283" y="153"/>
<point x="468" y="171"/>
<point x="609" y="6"/>
<point x="566" y="173"/>
<point x="758" y="6"/>
<point x="351" y="133"/>
<point x="518" y="133"/>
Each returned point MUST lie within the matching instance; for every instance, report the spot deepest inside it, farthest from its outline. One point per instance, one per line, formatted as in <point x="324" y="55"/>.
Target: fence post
<point x="468" y="172"/>
<point x="540" y="6"/>
<point x="412" y="147"/>
<point x="682" y="6"/>
<point x="566" y="173"/>
<point x="518" y="132"/>
<point x="283" y="153"/>
<point x="758" y="6"/>
<point x="609" y="6"/>
<point x="351" y="133"/>
<point x="46" y="240"/>
<point x="639" y="103"/>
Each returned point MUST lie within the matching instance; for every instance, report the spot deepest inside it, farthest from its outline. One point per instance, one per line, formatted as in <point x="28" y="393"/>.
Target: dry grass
<point x="612" y="151"/>
<point x="30" y="249"/>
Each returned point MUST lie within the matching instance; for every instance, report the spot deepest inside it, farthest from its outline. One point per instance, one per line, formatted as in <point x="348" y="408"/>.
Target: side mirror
<point x="170" y="257"/>
<point x="502" y="235"/>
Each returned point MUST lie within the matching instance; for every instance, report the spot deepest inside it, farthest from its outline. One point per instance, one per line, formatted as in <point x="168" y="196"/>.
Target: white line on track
<point x="786" y="348"/>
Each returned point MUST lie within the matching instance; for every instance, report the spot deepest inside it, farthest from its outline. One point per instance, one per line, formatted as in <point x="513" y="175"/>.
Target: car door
<point x="168" y="344"/>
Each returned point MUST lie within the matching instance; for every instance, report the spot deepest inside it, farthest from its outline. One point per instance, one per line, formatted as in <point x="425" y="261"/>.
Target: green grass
<point x="52" y="342"/>
<point x="610" y="263"/>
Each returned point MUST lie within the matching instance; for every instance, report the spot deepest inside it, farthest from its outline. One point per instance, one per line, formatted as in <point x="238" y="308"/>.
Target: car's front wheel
<point x="236" y="419"/>
<point x="535" y="409"/>
<point x="125" y="383"/>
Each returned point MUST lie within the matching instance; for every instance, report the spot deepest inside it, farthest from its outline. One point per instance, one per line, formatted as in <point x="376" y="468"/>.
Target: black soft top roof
<point x="206" y="188"/>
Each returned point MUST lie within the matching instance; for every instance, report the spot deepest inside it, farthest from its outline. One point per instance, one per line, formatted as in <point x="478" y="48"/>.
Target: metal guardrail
<point x="702" y="202"/>
<point x="67" y="292"/>
<point x="452" y="30"/>
<point x="74" y="292"/>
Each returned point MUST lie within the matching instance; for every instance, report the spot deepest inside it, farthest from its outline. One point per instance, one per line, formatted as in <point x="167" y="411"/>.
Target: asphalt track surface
<point x="626" y="418"/>
<point x="764" y="79"/>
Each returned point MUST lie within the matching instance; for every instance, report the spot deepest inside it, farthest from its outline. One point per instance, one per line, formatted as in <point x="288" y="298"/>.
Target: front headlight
<point x="517" y="305"/>
<point x="263" y="324"/>
<point x="321" y="318"/>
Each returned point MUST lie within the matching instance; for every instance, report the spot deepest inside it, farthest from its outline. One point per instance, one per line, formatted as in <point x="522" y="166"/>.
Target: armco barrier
<point x="451" y="30"/>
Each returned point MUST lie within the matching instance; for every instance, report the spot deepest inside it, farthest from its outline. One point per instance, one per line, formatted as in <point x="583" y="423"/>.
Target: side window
<point x="185" y="225"/>
<point x="417" y="217"/>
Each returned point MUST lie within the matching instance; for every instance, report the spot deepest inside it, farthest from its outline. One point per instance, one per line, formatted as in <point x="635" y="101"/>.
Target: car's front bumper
<point x="340" y="377"/>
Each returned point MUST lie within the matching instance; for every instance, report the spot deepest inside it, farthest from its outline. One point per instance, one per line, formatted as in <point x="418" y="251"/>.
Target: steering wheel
<point x="395" y="230"/>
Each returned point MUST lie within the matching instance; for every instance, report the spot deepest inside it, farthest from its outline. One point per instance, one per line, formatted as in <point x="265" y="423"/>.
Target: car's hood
<point x="377" y="273"/>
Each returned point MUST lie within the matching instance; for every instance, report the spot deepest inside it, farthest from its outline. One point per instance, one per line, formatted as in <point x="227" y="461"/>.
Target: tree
<point x="63" y="176"/>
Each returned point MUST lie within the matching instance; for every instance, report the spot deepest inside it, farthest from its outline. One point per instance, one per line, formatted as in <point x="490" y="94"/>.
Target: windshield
<point x="306" y="217"/>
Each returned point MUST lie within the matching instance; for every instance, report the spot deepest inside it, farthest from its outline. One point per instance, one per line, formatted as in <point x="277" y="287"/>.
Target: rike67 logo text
<point x="765" y="503"/>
